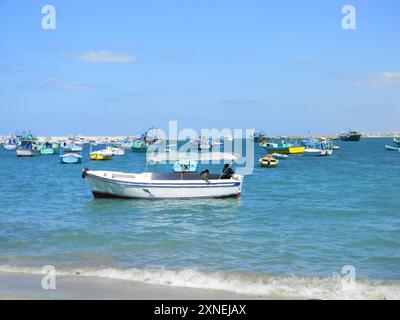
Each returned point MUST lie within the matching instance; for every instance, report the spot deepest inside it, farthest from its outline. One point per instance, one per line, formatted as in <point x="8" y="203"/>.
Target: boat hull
<point x="100" y="157"/>
<point x="47" y="151"/>
<point x="353" y="137"/>
<point x="317" y="152"/>
<point x="108" y="184"/>
<point x="390" y="148"/>
<point x="286" y="150"/>
<point x="24" y="153"/>
<point x="71" y="159"/>
<point x="9" y="146"/>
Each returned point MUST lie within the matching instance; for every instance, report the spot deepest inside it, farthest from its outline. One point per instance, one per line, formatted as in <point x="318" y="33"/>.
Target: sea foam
<point x="258" y="285"/>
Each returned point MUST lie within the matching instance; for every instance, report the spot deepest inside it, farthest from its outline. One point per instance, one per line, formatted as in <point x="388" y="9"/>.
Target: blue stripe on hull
<point x="167" y="185"/>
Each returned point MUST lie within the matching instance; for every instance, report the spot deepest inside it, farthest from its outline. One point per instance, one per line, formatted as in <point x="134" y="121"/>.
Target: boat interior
<point x="182" y="176"/>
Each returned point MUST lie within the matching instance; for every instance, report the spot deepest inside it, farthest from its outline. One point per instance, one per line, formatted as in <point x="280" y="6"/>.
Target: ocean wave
<point x="268" y="286"/>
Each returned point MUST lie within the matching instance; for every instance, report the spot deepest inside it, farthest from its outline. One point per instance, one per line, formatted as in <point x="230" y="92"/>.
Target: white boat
<point x="319" y="149"/>
<point x="317" y="152"/>
<point x="390" y="148"/>
<point x="112" y="184"/>
<point x="71" y="147"/>
<point x="9" y="146"/>
<point x="147" y="185"/>
<point x="202" y="143"/>
<point x="116" y="151"/>
<point x="24" y="152"/>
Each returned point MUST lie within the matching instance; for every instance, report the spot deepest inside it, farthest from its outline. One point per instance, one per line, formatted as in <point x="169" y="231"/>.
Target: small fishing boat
<point x="139" y="146"/>
<point x="390" y="148"/>
<point x="71" y="147"/>
<point x="47" y="149"/>
<point x="268" y="162"/>
<point x="27" y="146"/>
<point x="259" y="136"/>
<point x="279" y="156"/>
<point x="71" y="158"/>
<point x="318" y="149"/>
<point x="152" y="136"/>
<point x="11" y="143"/>
<point x="101" y="155"/>
<point x="203" y="143"/>
<point x="397" y="141"/>
<point x="148" y="185"/>
<point x="116" y="151"/>
<point x="185" y="166"/>
<point x="283" y="147"/>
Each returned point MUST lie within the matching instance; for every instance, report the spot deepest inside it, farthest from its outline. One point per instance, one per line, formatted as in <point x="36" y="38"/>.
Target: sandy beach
<point x="28" y="286"/>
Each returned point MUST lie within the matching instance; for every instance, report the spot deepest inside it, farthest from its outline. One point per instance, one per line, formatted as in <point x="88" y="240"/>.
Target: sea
<point x="312" y="228"/>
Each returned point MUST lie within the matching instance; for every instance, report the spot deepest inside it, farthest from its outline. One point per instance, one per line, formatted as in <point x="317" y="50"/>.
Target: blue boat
<point x="71" y="158"/>
<point x="185" y="166"/>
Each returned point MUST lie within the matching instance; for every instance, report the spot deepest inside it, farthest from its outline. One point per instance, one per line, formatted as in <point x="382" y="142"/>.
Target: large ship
<point x="350" y="136"/>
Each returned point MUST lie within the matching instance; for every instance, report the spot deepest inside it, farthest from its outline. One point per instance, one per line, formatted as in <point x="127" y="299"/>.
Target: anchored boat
<point x="318" y="149"/>
<point x="283" y="147"/>
<point x="350" y="136"/>
<point x="139" y="146"/>
<point x="27" y="146"/>
<point x="71" y="158"/>
<point x="101" y="155"/>
<point x="280" y="156"/>
<point x="268" y="162"/>
<point x="259" y="136"/>
<point x="116" y="151"/>
<point x="148" y="185"/>
<point x="111" y="184"/>
<point x="390" y="148"/>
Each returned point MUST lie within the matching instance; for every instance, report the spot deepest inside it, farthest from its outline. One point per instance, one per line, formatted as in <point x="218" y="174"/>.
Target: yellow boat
<point x="268" y="162"/>
<point x="101" y="155"/>
<point x="282" y="148"/>
<point x="293" y="150"/>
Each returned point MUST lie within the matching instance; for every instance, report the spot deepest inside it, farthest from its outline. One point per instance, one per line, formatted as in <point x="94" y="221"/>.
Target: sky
<point x="118" y="67"/>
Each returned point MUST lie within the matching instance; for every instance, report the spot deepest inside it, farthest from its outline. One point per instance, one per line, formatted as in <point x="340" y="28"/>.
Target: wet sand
<point x="28" y="286"/>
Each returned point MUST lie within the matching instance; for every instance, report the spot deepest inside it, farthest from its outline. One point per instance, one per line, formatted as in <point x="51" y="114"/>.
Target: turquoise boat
<point x="47" y="149"/>
<point x="283" y="147"/>
<point x="71" y="158"/>
<point x="139" y="146"/>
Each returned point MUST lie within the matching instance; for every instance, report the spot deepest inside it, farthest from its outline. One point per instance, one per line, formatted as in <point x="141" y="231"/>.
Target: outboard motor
<point x="84" y="173"/>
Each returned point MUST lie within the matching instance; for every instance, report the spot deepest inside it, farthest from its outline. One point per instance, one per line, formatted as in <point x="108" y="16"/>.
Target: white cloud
<point x="104" y="57"/>
<point x="387" y="78"/>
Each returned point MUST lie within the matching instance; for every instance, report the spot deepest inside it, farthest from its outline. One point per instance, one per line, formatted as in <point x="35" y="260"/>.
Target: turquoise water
<point x="307" y="218"/>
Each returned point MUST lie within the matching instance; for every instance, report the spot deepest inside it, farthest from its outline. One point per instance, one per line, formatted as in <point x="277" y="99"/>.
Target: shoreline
<point x="16" y="286"/>
<point x="138" y="284"/>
